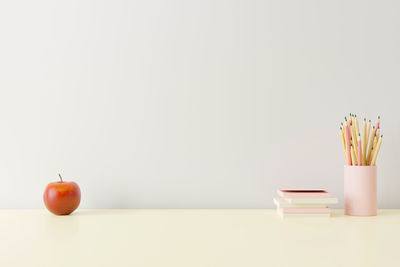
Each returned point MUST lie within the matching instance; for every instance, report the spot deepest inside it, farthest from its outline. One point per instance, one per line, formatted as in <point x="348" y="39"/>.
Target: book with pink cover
<point x="307" y="193"/>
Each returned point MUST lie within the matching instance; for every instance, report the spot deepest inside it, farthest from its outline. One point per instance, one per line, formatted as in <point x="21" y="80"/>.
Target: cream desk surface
<point x="193" y="238"/>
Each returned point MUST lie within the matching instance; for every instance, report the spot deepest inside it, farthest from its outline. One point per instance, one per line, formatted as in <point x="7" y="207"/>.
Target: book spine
<point x="306" y="210"/>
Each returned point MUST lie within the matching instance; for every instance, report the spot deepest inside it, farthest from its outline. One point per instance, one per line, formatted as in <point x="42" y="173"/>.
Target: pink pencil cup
<point x="360" y="190"/>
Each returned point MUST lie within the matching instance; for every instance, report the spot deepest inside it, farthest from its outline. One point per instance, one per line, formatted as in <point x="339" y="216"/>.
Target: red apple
<point x="62" y="198"/>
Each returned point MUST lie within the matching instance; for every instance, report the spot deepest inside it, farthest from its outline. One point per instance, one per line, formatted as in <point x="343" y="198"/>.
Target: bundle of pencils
<point x="357" y="152"/>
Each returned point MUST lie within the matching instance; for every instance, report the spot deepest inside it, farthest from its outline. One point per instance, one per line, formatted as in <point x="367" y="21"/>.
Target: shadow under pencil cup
<point x="360" y="190"/>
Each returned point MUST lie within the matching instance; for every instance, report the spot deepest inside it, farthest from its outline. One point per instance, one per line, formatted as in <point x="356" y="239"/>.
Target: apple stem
<point x="60" y="177"/>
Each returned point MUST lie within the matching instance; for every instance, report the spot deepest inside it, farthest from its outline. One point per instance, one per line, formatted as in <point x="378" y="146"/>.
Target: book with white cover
<point x="311" y="200"/>
<point x="283" y="214"/>
<point x="282" y="203"/>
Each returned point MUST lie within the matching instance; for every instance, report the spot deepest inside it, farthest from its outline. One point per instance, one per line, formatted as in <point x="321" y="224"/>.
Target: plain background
<point x="192" y="104"/>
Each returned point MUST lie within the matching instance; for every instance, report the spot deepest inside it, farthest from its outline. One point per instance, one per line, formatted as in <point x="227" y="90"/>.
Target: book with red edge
<point x="309" y="193"/>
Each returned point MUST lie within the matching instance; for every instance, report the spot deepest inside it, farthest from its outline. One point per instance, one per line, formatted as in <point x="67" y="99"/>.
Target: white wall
<point x="192" y="104"/>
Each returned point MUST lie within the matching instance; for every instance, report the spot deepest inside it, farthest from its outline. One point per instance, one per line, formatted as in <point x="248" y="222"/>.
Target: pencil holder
<point x="360" y="190"/>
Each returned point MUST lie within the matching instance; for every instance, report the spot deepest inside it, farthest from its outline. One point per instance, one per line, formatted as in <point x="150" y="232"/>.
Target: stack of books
<point x="303" y="203"/>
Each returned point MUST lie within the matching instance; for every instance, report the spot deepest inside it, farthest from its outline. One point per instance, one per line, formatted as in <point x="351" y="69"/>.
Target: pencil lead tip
<point x="365" y="119"/>
<point x="369" y="120"/>
<point x="345" y="118"/>
<point x="379" y="117"/>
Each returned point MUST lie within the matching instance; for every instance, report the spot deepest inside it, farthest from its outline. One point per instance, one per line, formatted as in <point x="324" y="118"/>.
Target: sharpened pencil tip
<point x="369" y="120"/>
<point x="365" y="119"/>
<point x="379" y="117"/>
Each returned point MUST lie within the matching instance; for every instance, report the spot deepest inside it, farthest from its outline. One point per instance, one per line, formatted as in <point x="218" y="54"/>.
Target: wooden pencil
<point x="357" y="127"/>
<point x="371" y="143"/>
<point x="378" y="147"/>
<point x="344" y="143"/>
<point x="366" y="129"/>
<point x="353" y="157"/>
<point x="348" y="143"/>
<point x="359" y="158"/>
<point x="373" y="148"/>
